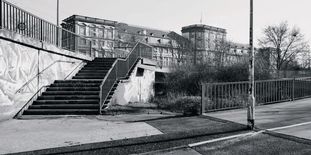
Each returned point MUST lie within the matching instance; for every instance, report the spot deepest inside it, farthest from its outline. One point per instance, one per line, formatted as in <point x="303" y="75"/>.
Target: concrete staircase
<point x="78" y="96"/>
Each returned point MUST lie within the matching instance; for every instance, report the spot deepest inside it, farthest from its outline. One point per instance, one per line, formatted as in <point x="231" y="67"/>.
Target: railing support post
<point x="203" y="98"/>
<point x="1" y="19"/>
<point x="293" y="89"/>
<point x="41" y="30"/>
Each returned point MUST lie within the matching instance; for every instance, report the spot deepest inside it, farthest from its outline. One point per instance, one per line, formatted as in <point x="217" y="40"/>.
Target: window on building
<point x="94" y="42"/>
<point x="105" y="33"/>
<point x="199" y="35"/>
<point x="82" y="41"/>
<point x="140" y="72"/>
<point x="102" y="43"/>
<point x="110" y="44"/>
<point x="110" y="33"/>
<point x="191" y="35"/>
<point x="101" y="32"/>
<point x="92" y="31"/>
<point x="164" y="50"/>
<point x="82" y="30"/>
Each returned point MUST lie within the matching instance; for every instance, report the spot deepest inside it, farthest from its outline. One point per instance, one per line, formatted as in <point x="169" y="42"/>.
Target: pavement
<point x="294" y="117"/>
<point x="289" y="124"/>
<point x="165" y="132"/>
<point x="19" y="135"/>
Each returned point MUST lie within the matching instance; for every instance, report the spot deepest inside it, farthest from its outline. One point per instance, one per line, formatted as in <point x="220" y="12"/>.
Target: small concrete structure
<point x="139" y="86"/>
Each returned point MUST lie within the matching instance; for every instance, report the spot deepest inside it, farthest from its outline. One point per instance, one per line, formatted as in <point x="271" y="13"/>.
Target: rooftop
<point x="90" y="20"/>
<point x="133" y="29"/>
<point x="203" y="26"/>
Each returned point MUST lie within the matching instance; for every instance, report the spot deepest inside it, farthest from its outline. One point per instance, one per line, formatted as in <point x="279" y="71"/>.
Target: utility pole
<point x="251" y="103"/>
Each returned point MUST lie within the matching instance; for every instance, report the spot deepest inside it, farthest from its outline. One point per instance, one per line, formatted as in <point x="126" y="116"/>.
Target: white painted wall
<point x="136" y="89"/>
<point x="18" y="64"/>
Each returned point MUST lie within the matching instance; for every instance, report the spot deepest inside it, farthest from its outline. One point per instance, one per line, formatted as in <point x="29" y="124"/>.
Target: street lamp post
<point x="251" y="105"/>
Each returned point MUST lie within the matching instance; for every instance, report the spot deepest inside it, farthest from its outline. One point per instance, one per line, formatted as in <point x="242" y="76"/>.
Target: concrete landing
<point x="34" y="134"/>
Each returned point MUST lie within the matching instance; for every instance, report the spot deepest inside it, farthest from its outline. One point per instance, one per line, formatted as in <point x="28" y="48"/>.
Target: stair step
<point x="109" y="96"/>
<point x="104" y="59"/>
<point x="75" y="85"/>
<point x="71" y="93"/>
<point x="88" y="77"/>
<point x="61" y="112"/>
<point x="81" y="81"/>
<point x="73" y="89"/>
<point x="69" y="97"/>
<point x="64" y="106"/>
<point x="91" y="74"/>
<point x="96" y="67"/>
<point x="39" y="102"/>
<point x="93" y="71"/>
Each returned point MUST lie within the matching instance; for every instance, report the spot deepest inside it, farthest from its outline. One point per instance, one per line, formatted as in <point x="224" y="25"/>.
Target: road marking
<point x="289" y="126"/>
<point x="246" y="134"/>
<point x="225" y="138"/>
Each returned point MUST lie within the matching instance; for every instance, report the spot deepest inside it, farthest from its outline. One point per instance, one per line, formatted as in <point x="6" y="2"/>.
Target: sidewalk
<point x="176" y="131"/>
<point x="34" y="134"/>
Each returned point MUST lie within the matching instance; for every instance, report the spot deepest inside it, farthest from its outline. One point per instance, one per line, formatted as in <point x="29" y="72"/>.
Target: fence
<point x="121" y="68"/>
<point x="17" y="20"/>
<point x="231" y="95"/>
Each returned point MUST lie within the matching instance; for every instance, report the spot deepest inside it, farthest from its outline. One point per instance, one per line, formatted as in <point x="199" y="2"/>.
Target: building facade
<point x="111" y="38"/>
<point x="100" y="33"/>
<point x="198" y="43"/>
<point x="206" y="40"/>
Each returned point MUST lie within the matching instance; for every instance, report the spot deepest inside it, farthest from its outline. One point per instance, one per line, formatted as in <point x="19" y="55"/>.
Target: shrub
<point x="188" y="105"/>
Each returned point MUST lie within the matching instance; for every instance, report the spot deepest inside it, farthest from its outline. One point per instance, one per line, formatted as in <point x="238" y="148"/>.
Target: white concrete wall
<point x="18" y="64"/>
<point x="136" y="89"/>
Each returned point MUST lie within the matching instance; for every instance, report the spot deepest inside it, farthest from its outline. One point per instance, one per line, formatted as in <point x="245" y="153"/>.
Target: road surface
<point x="294" y="117"/>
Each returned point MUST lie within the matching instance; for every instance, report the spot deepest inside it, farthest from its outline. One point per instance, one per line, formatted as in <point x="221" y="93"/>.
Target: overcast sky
<point x="232" y="15"/>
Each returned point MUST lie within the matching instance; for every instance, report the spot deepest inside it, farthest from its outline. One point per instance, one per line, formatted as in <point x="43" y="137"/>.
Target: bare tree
<point x="184" y="46"/>
<point x="286" y="44"/>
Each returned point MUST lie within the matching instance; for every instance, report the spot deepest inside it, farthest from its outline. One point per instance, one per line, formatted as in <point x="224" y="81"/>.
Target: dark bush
<point x="232" y="73"/>
<point x="188" y="105"/>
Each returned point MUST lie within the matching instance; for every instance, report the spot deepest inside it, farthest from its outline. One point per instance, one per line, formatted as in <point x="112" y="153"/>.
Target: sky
<point x="232" y="15"/>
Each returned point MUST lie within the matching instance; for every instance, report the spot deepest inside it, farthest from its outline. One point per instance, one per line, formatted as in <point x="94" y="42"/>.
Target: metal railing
<point x="231" y="95"/>
<point x="31" y="100"/>
<point x="121" y="68"/>
<point x="41" y="72"/>
<point x="18" y="20"/>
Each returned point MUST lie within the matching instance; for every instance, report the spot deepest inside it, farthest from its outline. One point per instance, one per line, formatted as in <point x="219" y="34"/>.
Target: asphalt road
<point x="294" y="116"/>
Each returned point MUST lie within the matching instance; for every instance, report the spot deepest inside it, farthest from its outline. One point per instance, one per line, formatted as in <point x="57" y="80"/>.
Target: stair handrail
<point x="38" y="74"/>
<point x="113" y="74"/>
<point x="79" y="65"/>
<point x="34" y="97"/>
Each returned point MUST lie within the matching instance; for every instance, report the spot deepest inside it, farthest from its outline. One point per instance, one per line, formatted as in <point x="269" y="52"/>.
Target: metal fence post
<point x="293" y="89"/>
<point x="1" y="19"/>
<point x="203" y="98"/>
<point x="139" y="50"/>
<point x="41" y="30"/>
